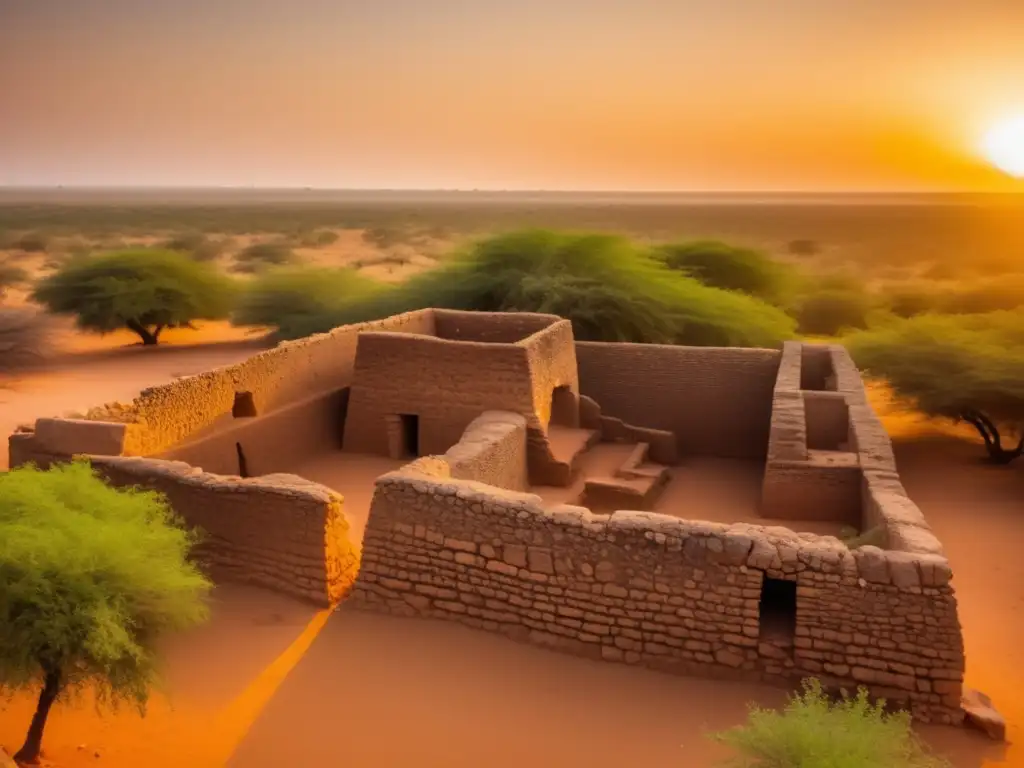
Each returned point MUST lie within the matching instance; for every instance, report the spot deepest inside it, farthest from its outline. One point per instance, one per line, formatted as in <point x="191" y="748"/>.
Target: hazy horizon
<point x="707" y="96"/>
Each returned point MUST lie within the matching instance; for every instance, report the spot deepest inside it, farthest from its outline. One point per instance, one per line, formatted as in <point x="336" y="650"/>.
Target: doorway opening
<point x="244" y="406"/>
<point x="564" y="407"/>
<point x="778" y="611"/>
<point x="410" y="423"/>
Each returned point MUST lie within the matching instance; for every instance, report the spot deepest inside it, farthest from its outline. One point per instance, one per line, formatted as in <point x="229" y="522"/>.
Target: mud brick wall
<point x="718" y="402"/>
<point x="278" y="531"/>
<point x="271" y="443"/>
<point x="669" y="594"/>
<point x="493" y="327"/>
<point x="447" y="384"/>
<point x="162" y="417"/>
<point x="492" y="450"/>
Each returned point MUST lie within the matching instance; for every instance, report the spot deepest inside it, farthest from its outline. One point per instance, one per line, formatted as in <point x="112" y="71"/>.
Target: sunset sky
<point x="509" y="94"/>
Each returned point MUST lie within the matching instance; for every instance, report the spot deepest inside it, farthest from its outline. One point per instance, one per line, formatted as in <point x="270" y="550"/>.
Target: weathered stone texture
<point x="277" y="531"/>
<point x="661" y="592"/>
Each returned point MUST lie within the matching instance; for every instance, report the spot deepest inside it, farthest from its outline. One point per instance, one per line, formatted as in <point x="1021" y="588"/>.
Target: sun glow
<point x="1003" y="145"/>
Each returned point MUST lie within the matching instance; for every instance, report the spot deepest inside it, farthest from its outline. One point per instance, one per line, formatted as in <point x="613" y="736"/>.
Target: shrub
<point x="142" y="290"/>
<point x="910" y="300"/>
<point x="197" y="245"/>
<point x="965" y="368"/>
<point x="259" y="256"/>
<point x="185" y="242"/>
<point x="814" y="731"/>
<point x="983" y="296"/>
<point x="725" y="266"/>
<point x="607" y="287"/>
<point x="91" y="578"/>
<point x="31" y="242"/>
<point x="319" y="239"/>
<point x="26" y="338"/>
<point x="293" y="300"/>
<point x="829" y="312"/>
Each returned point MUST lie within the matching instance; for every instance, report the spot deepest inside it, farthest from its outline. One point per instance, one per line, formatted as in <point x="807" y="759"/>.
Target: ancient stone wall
<point x="443" y="385"/>
<point x="491" y="327"/>
<point x="673" y="595"/>
<point x="492" y="450"/>
<point x="163" y="416"/>
<point x="278" y="531"/>
<point x="271" y="443"/>
<point x="718" y="402"/>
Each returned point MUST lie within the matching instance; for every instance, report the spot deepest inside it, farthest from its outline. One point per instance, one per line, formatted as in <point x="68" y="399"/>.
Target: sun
<point x="1003" y="145"/>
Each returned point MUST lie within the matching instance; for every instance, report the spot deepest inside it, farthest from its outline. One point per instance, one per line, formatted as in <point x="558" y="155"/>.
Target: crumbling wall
<point x="669" y="594"/>
<point x="163" y="416"/>
<point x="278" y="531"/>
<point x="490" y="327"/>
<point x="492" y="450"/>
<point x="718" y="402"/>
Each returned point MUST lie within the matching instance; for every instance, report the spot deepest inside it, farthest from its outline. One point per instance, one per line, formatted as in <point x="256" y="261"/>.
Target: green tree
<point x="966" y="368"/>
<point x="813" y="730"/>
<point x="609" y="288"/>
<point x="733" y="268"/>
<point x="294" y="300"/>
<point x="142" y="290"/>
<point x="831" y="311"/>
<point x="260" y="256"/>
<point x="90" y="578"/>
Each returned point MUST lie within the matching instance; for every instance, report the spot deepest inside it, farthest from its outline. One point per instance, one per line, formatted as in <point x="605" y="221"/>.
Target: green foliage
<point x="609" y="288"/>
<point x="320" y="239"/>
<point x="31" y="242"/>
<point x="294" y="300"/>
<point x="828" y="312"/>
<point x="260" y="256"/>
<point x="813" y="731"/>
<point x="983" y="296"/>
<point x="90" y="578"/>
<point x="911" y="300"/>
<point x="958" y="367"/>
<point x="198" y="245"/>
<point x="720" y="265"/>
<point x="143" y="290"/>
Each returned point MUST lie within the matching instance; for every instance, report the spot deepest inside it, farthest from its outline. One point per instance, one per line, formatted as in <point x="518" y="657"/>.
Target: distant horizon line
<point x="481" y="190"/>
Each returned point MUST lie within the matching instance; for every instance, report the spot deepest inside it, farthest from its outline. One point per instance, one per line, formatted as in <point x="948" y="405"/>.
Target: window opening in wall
<point x="244" y="405"/>
<point x="778" y="611"/>
<point x="243" y="465"/>
<point x="564" y="410"/>
<point x="410" y="434"/>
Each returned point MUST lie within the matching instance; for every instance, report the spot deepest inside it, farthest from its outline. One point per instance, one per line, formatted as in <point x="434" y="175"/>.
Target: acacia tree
<point x="90" y="577"/>
<point x="966" y="368"/>
<point x="142" y="290"/>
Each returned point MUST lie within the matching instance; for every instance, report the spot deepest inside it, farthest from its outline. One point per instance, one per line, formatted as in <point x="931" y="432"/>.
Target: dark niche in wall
<point x="244" y="406"/>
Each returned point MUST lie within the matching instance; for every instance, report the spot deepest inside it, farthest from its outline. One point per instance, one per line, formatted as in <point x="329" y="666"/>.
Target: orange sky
<point x="513" y="94"/>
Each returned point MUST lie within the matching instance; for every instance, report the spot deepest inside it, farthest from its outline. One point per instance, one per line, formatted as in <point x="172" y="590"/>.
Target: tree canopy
<point x="295" y="300"/>
<point x="142" y="290"/>
<point x="609" y="288"/>
<point x="967" y="368"/>
<point x="90" y="577"/>
<point x="731" y="267"/>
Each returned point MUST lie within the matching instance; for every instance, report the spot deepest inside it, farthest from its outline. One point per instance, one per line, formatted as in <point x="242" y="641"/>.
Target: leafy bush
<point x="259" y="256"/>
<point x="90" y="578"/>
<point x="198" y="245"/>
<point x="320" y="239"/>
<point x="31" y="242"/>
<point x="968" y="367"/>
<point x="185" y="242"/>
<point x="610" y="289"/>
<point x="142" y="290"/>
<point x="720" y="265"/>
<point x="816" y="732"/>
<point x="26" y="338"/>
<point x="912" y="300"/>
<point x="829" y="312"/>
<point x="983" y="296"/>
<point x="293" y="300"/>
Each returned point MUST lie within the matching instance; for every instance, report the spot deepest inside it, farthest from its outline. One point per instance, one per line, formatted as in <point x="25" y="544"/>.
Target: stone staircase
<point x="568" y="444"/>
<point x="636" y="484"/>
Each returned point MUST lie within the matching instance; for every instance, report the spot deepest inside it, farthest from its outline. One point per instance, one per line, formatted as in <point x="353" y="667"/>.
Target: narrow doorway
<point x="564" y="407"/>
<point x="778" y="611"/>
<point x="410" y="434"/>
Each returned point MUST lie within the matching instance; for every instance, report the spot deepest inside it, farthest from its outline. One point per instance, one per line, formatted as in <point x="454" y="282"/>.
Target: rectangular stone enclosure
<point x="480" y="413"/>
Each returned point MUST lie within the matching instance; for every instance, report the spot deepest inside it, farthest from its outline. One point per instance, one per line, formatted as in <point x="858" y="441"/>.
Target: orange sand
<point x="375" y="691"/>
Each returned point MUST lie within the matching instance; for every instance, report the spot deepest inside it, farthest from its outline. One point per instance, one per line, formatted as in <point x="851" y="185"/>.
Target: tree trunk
<point x="993" y="442"/>
<point x="29" y="752"/>
<point x="148" y="337"/>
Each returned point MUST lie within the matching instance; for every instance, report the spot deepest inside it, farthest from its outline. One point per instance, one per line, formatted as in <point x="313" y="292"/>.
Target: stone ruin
<point x="487" y="417"/>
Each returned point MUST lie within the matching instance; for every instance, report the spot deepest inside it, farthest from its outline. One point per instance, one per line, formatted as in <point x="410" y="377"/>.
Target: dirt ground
<point x="381" y="692"/>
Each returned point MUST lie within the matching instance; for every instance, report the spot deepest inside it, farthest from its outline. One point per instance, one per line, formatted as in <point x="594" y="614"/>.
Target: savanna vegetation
<point x="144" y="290"/>
<point x="90" y="578"/>
<point x="815" y="730"/>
